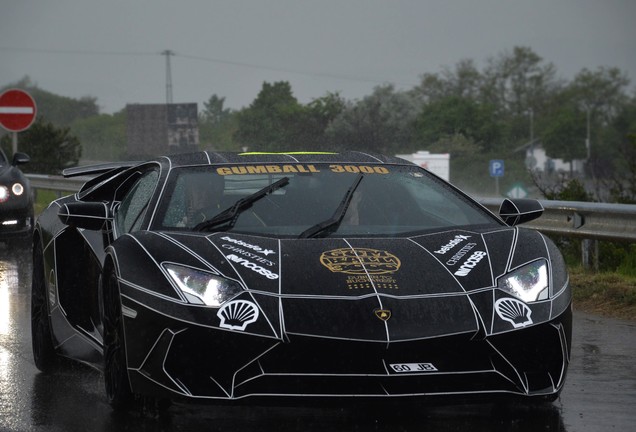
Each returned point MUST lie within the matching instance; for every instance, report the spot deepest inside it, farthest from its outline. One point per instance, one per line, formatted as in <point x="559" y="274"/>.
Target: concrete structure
<point x="155" y="129"/>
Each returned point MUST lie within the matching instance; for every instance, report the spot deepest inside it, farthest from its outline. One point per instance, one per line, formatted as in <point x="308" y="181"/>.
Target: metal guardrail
<point x="599" y="221"/>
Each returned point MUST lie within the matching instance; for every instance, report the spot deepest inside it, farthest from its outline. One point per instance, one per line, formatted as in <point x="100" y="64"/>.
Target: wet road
<point x="599" y="395"/>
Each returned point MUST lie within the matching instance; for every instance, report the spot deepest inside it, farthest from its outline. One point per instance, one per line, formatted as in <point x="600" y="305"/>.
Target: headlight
<point x="17" y="189"/>
<point x="202" y="287"/>
<point x="4" y="193"/>
<point x="528" y="283"/>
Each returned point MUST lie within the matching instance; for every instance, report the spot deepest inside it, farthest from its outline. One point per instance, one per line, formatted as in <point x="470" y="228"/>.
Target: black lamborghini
<point x="213" y="276"/>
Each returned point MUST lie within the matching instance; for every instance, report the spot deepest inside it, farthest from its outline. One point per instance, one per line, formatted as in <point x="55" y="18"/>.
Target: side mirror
<point x="86" y="215"/>
<point x="20" y="159"/>
<point x="517" y="211"/>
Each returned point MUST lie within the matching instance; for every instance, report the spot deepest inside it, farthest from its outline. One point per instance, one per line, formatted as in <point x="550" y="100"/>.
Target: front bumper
<point x="15" y="222"/>
<point x="173" y="358"/>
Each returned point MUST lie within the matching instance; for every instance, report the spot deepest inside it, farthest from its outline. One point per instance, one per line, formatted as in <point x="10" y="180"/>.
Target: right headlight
<point x="203" y="287"/>
<point x="528" y="283"/>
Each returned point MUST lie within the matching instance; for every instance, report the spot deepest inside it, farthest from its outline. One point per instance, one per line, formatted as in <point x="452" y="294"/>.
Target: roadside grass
<point x="43" y="198"/>
<point x="604" y="293"/>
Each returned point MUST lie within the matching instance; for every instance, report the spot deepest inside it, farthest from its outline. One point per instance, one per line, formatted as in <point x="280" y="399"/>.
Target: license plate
<point x="412" y="367"/>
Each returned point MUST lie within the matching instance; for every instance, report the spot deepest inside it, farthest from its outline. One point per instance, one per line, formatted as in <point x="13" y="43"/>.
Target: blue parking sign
<point x="496" y="168"/>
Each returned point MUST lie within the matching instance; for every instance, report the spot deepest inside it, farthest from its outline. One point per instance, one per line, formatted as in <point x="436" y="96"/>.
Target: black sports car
<point x="16" y="200"/>
<point x="213" y="276"/>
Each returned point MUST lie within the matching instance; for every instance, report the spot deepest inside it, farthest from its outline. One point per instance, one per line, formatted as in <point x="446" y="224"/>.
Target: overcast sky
<point x="111" y="49"/>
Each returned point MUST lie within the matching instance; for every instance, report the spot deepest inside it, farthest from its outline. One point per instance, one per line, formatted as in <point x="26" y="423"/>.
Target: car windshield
<point x="313" y="201"/>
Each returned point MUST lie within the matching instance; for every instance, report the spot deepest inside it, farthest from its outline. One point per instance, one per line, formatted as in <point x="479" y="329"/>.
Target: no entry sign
<point x="17" y="110"/>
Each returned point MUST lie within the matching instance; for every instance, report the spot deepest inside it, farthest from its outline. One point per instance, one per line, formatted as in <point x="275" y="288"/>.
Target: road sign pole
<point x="496" y="186"/>
<point x="14" y="142"/>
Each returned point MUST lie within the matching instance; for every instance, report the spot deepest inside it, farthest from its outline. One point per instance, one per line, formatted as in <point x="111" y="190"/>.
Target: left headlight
<point x="17" y="189"/>
<point x="202" y="287"/>
<point x="4" y="193"/>
<point x="528" y="283"/>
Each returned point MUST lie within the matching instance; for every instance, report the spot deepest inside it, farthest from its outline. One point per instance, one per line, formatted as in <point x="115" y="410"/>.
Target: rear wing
<point x="98" y="169"/>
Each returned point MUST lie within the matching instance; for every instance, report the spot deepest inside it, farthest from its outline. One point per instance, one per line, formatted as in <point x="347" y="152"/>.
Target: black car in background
<point x="16" y="200"/>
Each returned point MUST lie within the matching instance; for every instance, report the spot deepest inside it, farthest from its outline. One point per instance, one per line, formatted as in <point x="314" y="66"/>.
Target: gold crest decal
<point x="383" y="314"/>
<point x="360" y="261"/>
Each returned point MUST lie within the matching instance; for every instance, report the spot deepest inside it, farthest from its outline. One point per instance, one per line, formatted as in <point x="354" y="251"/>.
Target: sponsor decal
<point x="412" y="367"/>
<point x="451" y="244"/>
<point x="266" y="169"/>
<point x="364" y="169"/>
<point x="252" y="266"/>
<point x="366" y="267"/>
<point x="364" y="282"/>
<point x="237" y="314"/>
<point x="360" y="261"/>
<point x="298" y="168"/>
<point x="514" y="311"/>
<point x="460" y="254"/>
<point x="383" y="314"/>
<point x="248" y="245"/>
<point x="247" y="254"/>
<point x="470" y="263"/>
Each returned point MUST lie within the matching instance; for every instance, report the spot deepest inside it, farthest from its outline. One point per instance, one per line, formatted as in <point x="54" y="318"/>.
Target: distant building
<point x="538" y="160"/>
<point x="156" y="129"/>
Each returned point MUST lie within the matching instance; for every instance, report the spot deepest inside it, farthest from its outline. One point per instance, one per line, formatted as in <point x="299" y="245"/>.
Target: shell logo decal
<point x="237" y="314"/>
<point x="514" y="311"/>
<point x="360" y="261"/>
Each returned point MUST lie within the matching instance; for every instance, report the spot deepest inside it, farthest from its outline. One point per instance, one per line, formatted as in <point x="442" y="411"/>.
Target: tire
<point x="118" y="390"/>
<point x="41" y="339"/>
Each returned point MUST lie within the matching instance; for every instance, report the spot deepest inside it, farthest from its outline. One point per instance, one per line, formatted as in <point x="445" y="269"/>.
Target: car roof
<point x="210" y="158"/>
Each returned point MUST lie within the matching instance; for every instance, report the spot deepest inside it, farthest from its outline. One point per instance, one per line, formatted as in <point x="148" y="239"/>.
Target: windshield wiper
<point x="330" y="225"/>
<point x="232" y="213"/>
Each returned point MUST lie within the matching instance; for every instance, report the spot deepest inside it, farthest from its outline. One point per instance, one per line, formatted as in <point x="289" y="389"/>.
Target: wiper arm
<point x="232" y="213"/>
<point x="330" y="225"/>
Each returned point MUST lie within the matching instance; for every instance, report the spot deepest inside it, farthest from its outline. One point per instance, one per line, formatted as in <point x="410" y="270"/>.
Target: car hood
<point x="380" y="289"/>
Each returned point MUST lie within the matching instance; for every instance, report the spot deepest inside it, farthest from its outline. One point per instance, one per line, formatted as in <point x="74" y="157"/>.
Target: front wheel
<point x="41" y="339"/>
<point x="116" y="379"/>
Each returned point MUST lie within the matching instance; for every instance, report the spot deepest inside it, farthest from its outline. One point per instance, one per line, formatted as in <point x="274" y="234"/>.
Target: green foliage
<point x="627" y="264"/>
<point x="51" y="149"/>
<point x="59" y="110"/>
<point x="456" y="115"/>
<point x="103" y="137"/>
<point x="564" y="138"/>
<point x="381" y="122"/>
<point x="272" y="121"/>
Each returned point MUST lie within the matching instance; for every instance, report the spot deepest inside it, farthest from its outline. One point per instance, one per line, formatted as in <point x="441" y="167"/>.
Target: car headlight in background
<point x="17" y="189"/>
<point x="4" y="193"/>
<point x="202" y="287"/>
<point x="528" y="283"/>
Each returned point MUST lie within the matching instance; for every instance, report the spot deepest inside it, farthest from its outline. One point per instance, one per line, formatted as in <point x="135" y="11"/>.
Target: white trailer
<point x="437" y="163"/>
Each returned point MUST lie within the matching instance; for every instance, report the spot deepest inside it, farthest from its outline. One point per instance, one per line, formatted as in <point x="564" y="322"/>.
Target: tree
<point x="103" y="137"/>
<point x="564" y="136"/>
<point x="455" y="115"/>
<point x="213" y="111"/>
<point x="271" y="122"/>
<point x="59" y="110"/>
<point x="463" y="81"/>
<point x="51" y="149"/>
<point x="601" y="93"/>
<point x="218" y="125"/>
<point x="517" y="81"/>
<point x="382" y="122"/>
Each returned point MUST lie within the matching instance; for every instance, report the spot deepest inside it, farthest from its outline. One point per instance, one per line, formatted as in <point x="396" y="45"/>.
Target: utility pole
<point x="168" y="53"/>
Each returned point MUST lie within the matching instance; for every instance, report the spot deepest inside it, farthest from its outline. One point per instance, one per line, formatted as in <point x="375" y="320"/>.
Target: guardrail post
<point x="589" y="254"/>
